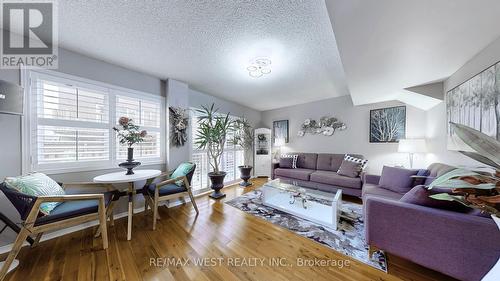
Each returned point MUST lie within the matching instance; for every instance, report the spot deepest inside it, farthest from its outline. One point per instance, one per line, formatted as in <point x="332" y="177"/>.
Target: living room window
<point x="70" y="123"/>
<point x="232" y="158"/>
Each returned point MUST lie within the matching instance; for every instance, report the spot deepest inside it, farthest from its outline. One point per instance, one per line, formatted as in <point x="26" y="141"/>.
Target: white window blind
<point x="70" y="123"/>
<point x="232" y="157"/>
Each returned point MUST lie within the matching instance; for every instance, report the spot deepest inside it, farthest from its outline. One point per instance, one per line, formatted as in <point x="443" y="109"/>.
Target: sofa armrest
<point x="460" y="245"/>
<point x="371" y="179"/>
<point x="274" y="166"/>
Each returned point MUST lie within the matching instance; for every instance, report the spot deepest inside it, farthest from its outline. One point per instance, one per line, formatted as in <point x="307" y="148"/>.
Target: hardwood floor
<point x="220" y="231"/>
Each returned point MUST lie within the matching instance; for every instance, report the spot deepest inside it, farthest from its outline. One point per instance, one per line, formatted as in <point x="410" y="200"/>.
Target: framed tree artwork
<point x="387" y="124"/>
<point x="280" y="130"/>
<point x="475" y="103"/>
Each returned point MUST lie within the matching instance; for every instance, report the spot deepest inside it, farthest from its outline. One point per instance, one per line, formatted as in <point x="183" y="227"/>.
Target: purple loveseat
<point x="319" y="171"/>
<point x="460" y="244"/>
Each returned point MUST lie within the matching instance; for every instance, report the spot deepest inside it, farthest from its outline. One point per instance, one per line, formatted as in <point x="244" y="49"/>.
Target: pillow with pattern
<point x="294" y="159"/>
<point x="362" y="162"/>
<point x="37" y="184"/>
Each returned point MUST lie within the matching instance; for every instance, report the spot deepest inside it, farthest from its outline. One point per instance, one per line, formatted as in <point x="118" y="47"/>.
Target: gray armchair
<point x="158" y="190"/>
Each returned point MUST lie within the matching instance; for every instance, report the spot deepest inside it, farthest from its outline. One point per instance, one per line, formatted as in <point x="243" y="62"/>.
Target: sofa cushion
<point x="329" y="162"/>
<point x="397" y="179"/>
<point x="332" y="162"/>
<point x="333" y="178"/>
<point x="375" y="190"/>
<point x="307" y="160"/>
<point x="286" y="162"/>
<point x="419" y="195"/>
<point x="299" y="173"/>
<point x="350" y="169"/>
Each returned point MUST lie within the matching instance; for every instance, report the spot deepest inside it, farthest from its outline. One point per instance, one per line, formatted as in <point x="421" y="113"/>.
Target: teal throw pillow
<point x="182" y="170"/>
<point x="37" y="184"/>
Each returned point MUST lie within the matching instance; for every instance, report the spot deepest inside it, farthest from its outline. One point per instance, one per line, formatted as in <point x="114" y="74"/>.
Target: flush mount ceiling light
<point x="259" y="66"/>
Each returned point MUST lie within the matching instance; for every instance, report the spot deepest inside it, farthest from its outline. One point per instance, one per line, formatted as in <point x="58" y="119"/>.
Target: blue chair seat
<point x="168" y="189"/>
<point x="71" y="209"/>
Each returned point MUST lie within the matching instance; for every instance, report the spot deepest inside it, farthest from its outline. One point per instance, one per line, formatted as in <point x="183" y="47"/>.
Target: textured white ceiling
<point x="208" y="44"/>
<point x="389" y="45"/>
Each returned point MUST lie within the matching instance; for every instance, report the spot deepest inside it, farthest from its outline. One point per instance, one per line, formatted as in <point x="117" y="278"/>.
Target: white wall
<point x="355" y="139"/>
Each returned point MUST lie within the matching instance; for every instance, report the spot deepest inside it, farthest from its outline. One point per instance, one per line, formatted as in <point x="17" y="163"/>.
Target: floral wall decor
<point x="326" y="126"/>
<point x="178" y="123"/>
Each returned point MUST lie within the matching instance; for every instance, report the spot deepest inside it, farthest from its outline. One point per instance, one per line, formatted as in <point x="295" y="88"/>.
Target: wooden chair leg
<point x="13" y="253"/>
<point x="155" y="213"/>
<point x="102" y="223"/>
<point x="109" y="213"/>
<point x="146" y="204"/>
<point x="193" y="201"/>
<point x="37" y="240"/>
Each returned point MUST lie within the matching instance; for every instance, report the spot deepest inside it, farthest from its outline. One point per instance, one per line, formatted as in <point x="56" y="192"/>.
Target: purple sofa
<point x="319" y="171"/>
<point x="462" y="245"/>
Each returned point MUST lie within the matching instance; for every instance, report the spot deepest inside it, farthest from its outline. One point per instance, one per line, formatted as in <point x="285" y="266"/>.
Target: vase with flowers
<point x="129" y="134"/>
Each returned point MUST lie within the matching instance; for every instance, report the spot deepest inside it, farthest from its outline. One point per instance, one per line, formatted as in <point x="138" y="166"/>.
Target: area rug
<point x="348" y="239"/>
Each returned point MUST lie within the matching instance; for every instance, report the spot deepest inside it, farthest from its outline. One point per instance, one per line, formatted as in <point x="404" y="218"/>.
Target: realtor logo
<point x="29" y="34"/>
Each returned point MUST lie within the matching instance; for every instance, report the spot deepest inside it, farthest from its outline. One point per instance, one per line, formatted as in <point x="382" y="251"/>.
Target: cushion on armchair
<point x="182" y="170"/>
<point x="397" y="179"/>
<point x="37" y="184"/>
<point x="72" y="209"/>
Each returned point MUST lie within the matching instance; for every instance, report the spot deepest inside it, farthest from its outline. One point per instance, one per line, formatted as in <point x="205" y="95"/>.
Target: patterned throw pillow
<point x="294" y="157"/>
<point x="37" y="184"/>
<point x="182" y="170"/>
<point x="363" y="162"/>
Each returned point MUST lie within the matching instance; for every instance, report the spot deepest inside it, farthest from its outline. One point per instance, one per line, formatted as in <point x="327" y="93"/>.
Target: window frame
<point x="30" y="122"/>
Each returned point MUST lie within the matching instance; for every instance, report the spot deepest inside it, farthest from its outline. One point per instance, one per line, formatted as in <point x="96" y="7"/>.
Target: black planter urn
<point x="245" y="175"/>
<point x="217" y="180"/>
<point x="130" y="164"/>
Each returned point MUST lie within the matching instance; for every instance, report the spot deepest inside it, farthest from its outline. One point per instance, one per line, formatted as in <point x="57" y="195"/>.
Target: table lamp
<point x="278" y="143"/>
<point x="412" y="146"/>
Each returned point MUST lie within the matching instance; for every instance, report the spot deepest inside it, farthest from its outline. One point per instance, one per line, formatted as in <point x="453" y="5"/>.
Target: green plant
<point x="129" y="133"/>
<point x="475" y="189"/>
<point x="243" y="134"/>
<point x="212" y="134"/>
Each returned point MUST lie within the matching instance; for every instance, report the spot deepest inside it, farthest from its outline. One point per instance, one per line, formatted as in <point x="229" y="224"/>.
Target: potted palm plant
<point x="475" y="189"/>
<point x="244" y="137"/>
<point x="212" y="136"/>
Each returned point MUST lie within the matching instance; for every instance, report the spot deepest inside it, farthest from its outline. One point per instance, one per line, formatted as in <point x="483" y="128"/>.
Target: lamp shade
<point x="412" y="145"/>
<point x="279" y="141"/>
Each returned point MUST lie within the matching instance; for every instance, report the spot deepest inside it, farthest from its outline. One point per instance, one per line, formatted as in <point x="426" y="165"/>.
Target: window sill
<point x="55" y="171"/>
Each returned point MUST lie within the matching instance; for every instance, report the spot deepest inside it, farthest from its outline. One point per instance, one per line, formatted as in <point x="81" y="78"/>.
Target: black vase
<point x="245" y="175"/>
<point x="217" y="180"/>
<point x="130" y="164"/>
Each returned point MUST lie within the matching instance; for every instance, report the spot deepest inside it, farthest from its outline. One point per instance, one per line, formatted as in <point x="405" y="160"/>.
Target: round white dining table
<point x="121" y="177"/>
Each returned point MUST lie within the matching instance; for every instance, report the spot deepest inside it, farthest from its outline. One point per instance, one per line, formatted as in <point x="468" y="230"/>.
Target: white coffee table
<point x="314" y="205"/>
<point x="121" y="177"/>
